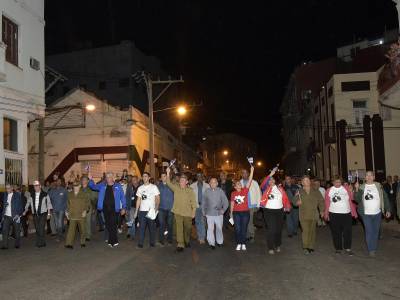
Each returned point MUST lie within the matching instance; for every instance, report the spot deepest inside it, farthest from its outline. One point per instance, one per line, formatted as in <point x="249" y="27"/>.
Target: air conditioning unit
<point x="34" y="63"/>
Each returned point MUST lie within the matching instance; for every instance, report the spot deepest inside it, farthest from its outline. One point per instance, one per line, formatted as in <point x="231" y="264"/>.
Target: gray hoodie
<point x="214" y="200"/>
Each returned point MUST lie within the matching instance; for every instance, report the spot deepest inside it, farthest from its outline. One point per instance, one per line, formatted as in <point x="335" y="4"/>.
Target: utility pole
<point x="149" y="82"/>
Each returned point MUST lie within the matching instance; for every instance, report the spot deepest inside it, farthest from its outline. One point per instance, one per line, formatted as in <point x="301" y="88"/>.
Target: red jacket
<point x="353" y="208"/>
<point x="285" y="199"/>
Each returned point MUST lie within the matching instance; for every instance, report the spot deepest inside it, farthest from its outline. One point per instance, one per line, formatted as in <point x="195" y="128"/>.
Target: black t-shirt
<point x="109" y="201"/>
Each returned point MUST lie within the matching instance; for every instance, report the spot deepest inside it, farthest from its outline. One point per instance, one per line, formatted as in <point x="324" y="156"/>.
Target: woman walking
<point x="339" y="211"/>
<point x="274" y="203"/>
<point x="240" y="211"/>
<point x="309" y="201"/>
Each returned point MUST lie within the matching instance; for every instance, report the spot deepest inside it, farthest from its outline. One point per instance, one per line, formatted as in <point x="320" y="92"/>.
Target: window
<point x="330" y="92"/>
<point x="10" y="134"/>
<point x="13" y="171"/>
<point x="123" y="82"/>
<point x="333" y="120"/>
<point x="10" y="38"/>
<point x="353" y="86"/>
<point x="359" y="111"/>
<point x="102" y="85"/>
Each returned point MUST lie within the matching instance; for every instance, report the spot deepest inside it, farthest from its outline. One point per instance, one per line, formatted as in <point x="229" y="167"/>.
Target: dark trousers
<point x="7" y="223"/>
<point x="145" y="222"/>
<point x="110" y="220"/>
<point x="241" y="222"/>
<point x="273" y="219"/>
<point x="24" y="225"/>
<point x="341" y="228"/>
<point x="40" y="222"/>
<point x="166" y="220"/>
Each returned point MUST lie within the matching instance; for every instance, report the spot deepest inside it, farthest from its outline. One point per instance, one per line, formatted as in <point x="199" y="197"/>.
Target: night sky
<point x="236" y="57"/>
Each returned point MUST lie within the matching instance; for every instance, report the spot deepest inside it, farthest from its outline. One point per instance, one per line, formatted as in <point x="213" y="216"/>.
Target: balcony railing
<point x="354" y="131"/>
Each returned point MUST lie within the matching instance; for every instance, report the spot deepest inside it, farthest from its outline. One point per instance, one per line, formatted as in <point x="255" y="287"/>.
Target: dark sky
<point x="236" y="58"/>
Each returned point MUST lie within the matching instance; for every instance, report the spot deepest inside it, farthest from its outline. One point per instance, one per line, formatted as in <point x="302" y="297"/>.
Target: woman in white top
<point x="339" y="211"/>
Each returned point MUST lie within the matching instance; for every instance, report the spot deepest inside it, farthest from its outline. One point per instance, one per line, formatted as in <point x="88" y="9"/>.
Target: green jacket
<point x="185" y="203"/>
<point x="310" y="203"/>
<point x="77" y="204"/>
<point x="358" y="197"/>
<point x="92" y="197"/>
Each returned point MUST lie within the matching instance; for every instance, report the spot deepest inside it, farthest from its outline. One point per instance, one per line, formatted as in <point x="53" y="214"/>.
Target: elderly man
<point x="184" y="209"/>
<point x="13" y="209"/>
<point x="372" y="203"/>
<point x="111" y="201"/>
<point x="40" y="204"/>
<point x="92" y="195"/>
<point x="199" y="187"/>
<point x="77" y="208"/>
<point x="214" y="205"/>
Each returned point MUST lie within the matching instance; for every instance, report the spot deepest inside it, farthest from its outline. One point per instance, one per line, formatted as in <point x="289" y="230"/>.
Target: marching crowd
<point x="167" y="210"/>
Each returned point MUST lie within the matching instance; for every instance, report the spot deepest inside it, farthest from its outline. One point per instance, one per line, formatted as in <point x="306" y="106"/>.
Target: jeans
<point x="100" y="220"/>
<point x="372" y="224"/>
<point x="251" y="229"/>
<point x="292" y="221"/>
<point x="216" y="221"/>
<point x="273" y="219"/>
<point x="200" y="226"/>
<point x="145" y="222"/>
<point x="58" y="217"/>
<point x="341" y="227"/>
<point x="166" y="218"/>
<point x="130" y="220"/>
<point x="241" y="221"/>
<point x="40" y="223"/>
<point x="7" y="222"/>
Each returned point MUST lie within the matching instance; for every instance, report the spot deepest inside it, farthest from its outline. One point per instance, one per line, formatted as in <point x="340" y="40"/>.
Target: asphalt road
<point x="99" y="272"/>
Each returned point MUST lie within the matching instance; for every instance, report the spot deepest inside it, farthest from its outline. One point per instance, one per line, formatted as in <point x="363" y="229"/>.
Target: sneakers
<point x="238" y="247"/>
<point x="349" y="252"/>
<point x="244" y="247"/>
<point x="271" y="252"/>
<point x="278" y="249"/>
<point x="306" y="251"/>
<point x="372" y="254"/>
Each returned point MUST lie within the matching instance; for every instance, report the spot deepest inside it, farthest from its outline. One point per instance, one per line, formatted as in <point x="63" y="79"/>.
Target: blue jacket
<point x="166" y="196"/>
<point x="119" y="196"/>
<point x="17" y="205"/>
<point x="58" y="198"/>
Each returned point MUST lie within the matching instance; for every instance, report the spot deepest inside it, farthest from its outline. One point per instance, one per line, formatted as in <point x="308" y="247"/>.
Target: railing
<point x="354" y="131"/>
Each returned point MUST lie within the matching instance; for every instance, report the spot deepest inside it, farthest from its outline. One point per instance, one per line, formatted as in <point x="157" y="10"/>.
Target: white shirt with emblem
<point x="339" y="199"/>
<point x="8" y="208"/>
<point x="147" y="193"/>
<point x="274" y="199"/>
<point x="372" y="203"/>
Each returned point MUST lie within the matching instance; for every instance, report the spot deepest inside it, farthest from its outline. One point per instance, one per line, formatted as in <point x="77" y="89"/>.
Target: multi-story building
<point x="107" y="71"/>
<point x="80" y="129"/>
<point x="21" y="83"/>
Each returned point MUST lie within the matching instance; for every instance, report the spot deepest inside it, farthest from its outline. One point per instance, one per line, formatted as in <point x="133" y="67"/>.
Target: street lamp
<point x="181" y="110"/>
<point x="90" y="107"/>
<point x="226" y="152"/>
<point x="259" y="164"/>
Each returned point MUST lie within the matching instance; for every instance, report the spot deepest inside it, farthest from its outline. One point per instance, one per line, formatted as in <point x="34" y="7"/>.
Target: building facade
<point x="107" y="71"/>
<point x="22" y="100"/>
<point x="81" y="129"/>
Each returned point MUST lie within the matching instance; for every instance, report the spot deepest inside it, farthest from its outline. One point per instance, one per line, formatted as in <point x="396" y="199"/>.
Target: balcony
<point x="2" y="61"/>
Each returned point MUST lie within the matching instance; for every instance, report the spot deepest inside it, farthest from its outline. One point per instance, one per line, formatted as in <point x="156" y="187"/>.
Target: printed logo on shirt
<point x="369" y="196"/>
<point x="239" y="199"/>
<point x="271" y="197"/>
<point x="336" y="197"/>
<point x="144" y="196"/>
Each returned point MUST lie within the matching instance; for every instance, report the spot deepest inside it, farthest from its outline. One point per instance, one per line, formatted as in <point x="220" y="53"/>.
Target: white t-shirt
<point x="372" y="203"/>
<point x="8" y="208"/>
<point x="274" y="199"/>
<point x="147" y="194"/>
<point x="37" y="195"/>
<point x="339" y="200"/>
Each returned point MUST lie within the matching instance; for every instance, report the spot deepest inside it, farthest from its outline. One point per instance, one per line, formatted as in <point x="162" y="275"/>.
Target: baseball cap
<point x="36" y="182"/>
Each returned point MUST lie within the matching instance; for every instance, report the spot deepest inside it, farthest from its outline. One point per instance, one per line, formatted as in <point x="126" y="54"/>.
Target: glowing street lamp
<point x="181" y="110"/>
<point x="227" y="161"/>
<point x="259" y="163"/>
<point x="90" y="107"/>
<point x="226" y="152"/>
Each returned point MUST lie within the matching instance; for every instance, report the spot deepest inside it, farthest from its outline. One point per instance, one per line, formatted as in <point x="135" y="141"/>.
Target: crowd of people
<point x="177" y="208"/>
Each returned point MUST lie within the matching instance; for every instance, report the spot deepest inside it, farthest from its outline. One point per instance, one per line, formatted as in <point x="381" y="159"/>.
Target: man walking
<point x="199" y="187"/>
<point x="130" y="196"/>
<point x="391" y="188"/>
<point x="90" y="216"/>
<point x="111" y="202"/>
<point x="77" y="209"/>
<point x="165" y="216"/>
<point x="254" y="198"/>
<point x="12" y="211"/>
<point x="58" y="198"/>
<point x="40" y="204"/>
<point x="372" y="203"/>
<point x="148" y="199"/>
<point x="226" y="185"/>
<point x="292" y="217"/>
<point x="184" y="210"/>
<point x="213" y="207"/>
